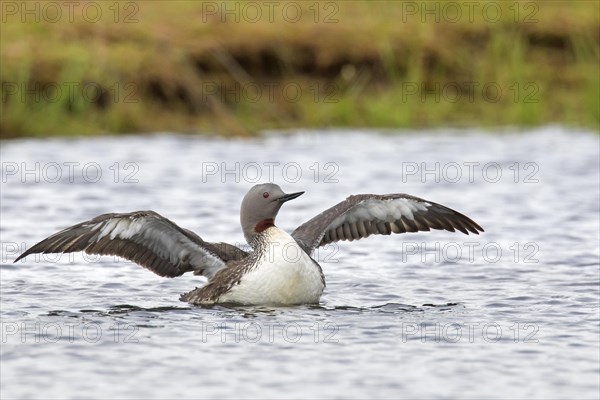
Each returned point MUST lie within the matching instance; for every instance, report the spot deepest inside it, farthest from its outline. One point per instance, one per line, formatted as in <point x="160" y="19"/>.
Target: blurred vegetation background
<point x="235" y="67"/>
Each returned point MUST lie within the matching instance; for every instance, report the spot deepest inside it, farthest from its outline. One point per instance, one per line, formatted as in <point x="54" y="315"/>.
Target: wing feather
<point x="143" y="237"/>
<point x="363" y="215"/>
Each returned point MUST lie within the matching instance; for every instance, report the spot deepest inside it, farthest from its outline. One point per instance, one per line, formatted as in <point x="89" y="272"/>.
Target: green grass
<point x="179" y="66"/>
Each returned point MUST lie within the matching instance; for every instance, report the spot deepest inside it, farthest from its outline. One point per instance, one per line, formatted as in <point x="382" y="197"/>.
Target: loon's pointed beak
<point x="291" y="196"/>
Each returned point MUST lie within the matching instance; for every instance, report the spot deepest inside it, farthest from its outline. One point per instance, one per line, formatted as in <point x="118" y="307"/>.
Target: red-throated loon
<point x="279" y="270"/>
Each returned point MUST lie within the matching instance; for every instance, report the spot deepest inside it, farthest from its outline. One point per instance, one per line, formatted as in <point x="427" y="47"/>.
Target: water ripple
<point x="392" y="322"/>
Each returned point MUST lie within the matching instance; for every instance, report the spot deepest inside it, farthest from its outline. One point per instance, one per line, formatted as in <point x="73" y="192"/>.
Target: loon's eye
<point x="266" y="194"/>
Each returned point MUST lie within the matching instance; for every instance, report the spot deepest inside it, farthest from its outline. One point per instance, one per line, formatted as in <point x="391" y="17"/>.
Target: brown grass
<point x="179" y="66"/>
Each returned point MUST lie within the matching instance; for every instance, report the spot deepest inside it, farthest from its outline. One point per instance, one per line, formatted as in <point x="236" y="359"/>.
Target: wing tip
<point x="475" y="227"/>
<point x="25" y="254"/>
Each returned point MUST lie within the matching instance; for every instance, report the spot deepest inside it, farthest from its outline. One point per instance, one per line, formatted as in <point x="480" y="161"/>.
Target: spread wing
<point x="363" y="215"/>
<point x="146" y="238"/>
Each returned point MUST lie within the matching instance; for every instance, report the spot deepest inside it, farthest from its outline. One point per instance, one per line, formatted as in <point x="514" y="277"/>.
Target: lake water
<point x="513" y="312"/>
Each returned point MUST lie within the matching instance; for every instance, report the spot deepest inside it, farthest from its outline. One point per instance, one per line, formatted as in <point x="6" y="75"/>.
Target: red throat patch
<point x="264" y="224"/>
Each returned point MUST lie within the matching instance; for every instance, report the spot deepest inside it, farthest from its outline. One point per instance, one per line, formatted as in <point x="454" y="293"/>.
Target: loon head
<point x="260" y="207"/>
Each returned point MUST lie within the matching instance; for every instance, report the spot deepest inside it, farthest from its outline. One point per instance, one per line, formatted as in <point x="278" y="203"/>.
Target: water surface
<point x="513" y="312"/>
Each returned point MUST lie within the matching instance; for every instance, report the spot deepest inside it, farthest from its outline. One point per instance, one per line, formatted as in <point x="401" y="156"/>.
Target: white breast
<point x="285" y="275"/>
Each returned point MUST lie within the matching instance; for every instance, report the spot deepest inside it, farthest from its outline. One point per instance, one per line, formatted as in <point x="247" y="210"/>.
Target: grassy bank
<point x="238" y="67"/>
